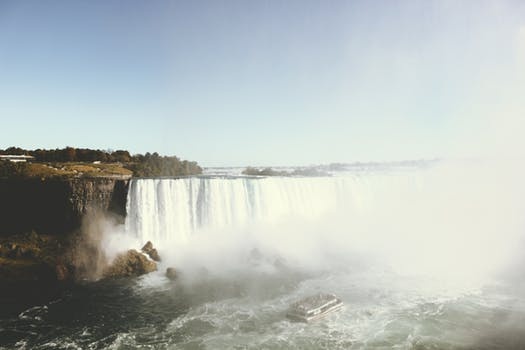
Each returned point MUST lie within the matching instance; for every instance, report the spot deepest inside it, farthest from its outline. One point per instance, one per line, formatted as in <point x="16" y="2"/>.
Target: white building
<point x="15" y="158"/>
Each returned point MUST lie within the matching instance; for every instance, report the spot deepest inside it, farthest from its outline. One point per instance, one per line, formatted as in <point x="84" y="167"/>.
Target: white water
<point x="163" y="210"/>
<point x="217" y="220"/>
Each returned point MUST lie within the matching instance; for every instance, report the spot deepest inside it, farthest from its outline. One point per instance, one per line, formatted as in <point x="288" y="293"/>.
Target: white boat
<point x="314" y="307"/>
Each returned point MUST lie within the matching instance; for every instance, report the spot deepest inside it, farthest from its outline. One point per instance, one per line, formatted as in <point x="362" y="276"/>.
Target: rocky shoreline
<point x="48" y="260"/>
<point x="51" y="232"/>
<point x="35" y="258"/>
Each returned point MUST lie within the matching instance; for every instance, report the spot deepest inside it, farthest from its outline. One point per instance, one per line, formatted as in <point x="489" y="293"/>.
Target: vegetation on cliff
<point x="47" y="170"/>
<point x="75" y="162"/>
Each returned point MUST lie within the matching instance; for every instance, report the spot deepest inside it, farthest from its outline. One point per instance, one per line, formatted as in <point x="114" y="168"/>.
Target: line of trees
<point x="149" y="164"/>
<point x="71" y="154"/>
<point x="156" y="165"/>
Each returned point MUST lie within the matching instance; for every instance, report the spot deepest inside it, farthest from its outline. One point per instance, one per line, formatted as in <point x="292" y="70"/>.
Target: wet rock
<point x="150" y="251"/>
<point x="30" y="257"/>
<point x="19" y="252"/>
<point x="130" y="263"/>
<point x="4" y="251"/>
<point x="32" y="237"/>
<point x="171" y="273"/>
<point x="62" y="272"/>
<point x="16" y="252"/>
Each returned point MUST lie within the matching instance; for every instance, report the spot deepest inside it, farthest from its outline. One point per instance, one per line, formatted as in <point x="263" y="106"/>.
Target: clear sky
<point x="257" y="82"/>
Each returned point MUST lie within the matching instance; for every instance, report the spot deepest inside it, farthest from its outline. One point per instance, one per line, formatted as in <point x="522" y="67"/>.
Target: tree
<point x="69" y="154"/>
<point x="121" y="156"/>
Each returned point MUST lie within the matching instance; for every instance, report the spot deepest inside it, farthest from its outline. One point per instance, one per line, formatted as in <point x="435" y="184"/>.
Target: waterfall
<point x="400" y="217"/>
<point x="175" y="209"/>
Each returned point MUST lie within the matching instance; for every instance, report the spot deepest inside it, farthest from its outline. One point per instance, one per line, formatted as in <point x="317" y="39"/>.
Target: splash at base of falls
<point x="456" y="222"/>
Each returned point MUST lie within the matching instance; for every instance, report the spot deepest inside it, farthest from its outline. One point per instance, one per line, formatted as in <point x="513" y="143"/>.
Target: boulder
<point x="62" y="272"/>
<point x="17" y="252"/>
<point x="171" y="273"/>
<point x="130" y="263"/>
<point x="150" y="251"/>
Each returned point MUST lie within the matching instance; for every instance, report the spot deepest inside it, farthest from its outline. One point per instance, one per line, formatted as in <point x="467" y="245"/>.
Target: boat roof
<point x="314" y="302"/>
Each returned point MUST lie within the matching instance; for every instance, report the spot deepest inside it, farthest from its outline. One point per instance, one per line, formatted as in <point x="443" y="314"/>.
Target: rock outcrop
<point x="32" y="257"/>
<point x="150" y="251"/>
<point x="128" y="264"/>
<point x="171" y="273"/>
<point x="133" y="263"/>
<point x="51" y="230"/>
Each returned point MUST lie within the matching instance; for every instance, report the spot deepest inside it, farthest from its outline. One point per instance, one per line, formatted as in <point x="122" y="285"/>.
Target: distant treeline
<point x="149" y="164"/>
<point x="307" y="171"/>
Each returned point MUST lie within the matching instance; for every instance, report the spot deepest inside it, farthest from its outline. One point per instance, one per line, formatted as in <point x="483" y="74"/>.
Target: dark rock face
<point x="29" y="257"/>
<point x="49" y="229"/>
<point x="128" y="264"/>
<point x="62" y="272"/>
<point x="55" y="205"/>
<point x="171" y="273"/>
<point x="150" y="251"/>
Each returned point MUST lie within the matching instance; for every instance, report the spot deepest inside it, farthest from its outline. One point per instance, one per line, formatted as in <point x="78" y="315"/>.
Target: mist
<point x="458" y="221"/>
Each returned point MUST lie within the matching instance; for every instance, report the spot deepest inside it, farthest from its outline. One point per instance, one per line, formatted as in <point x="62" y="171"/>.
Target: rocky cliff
<point x="57" y="205"/>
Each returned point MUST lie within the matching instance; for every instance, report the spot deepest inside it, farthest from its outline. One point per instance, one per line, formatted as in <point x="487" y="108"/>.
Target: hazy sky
<point x="258" y="82"/>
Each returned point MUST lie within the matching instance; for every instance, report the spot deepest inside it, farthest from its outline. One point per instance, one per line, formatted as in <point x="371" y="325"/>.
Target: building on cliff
<point x="15" y="158"/>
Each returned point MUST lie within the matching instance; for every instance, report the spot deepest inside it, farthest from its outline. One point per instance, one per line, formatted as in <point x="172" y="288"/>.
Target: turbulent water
<point x="419" y="257"/>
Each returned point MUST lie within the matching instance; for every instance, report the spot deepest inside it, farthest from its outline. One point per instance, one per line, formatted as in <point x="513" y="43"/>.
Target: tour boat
<point x="314" y="307"/>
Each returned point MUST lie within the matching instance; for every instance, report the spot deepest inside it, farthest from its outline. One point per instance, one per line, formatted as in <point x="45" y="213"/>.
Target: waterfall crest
<point x="175" y="209"/>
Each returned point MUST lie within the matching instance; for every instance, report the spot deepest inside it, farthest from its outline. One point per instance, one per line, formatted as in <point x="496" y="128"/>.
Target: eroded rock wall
<point x="56" y="206"/>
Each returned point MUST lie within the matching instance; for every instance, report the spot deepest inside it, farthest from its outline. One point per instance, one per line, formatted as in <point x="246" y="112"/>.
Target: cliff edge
<point x="56" y="205"/>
